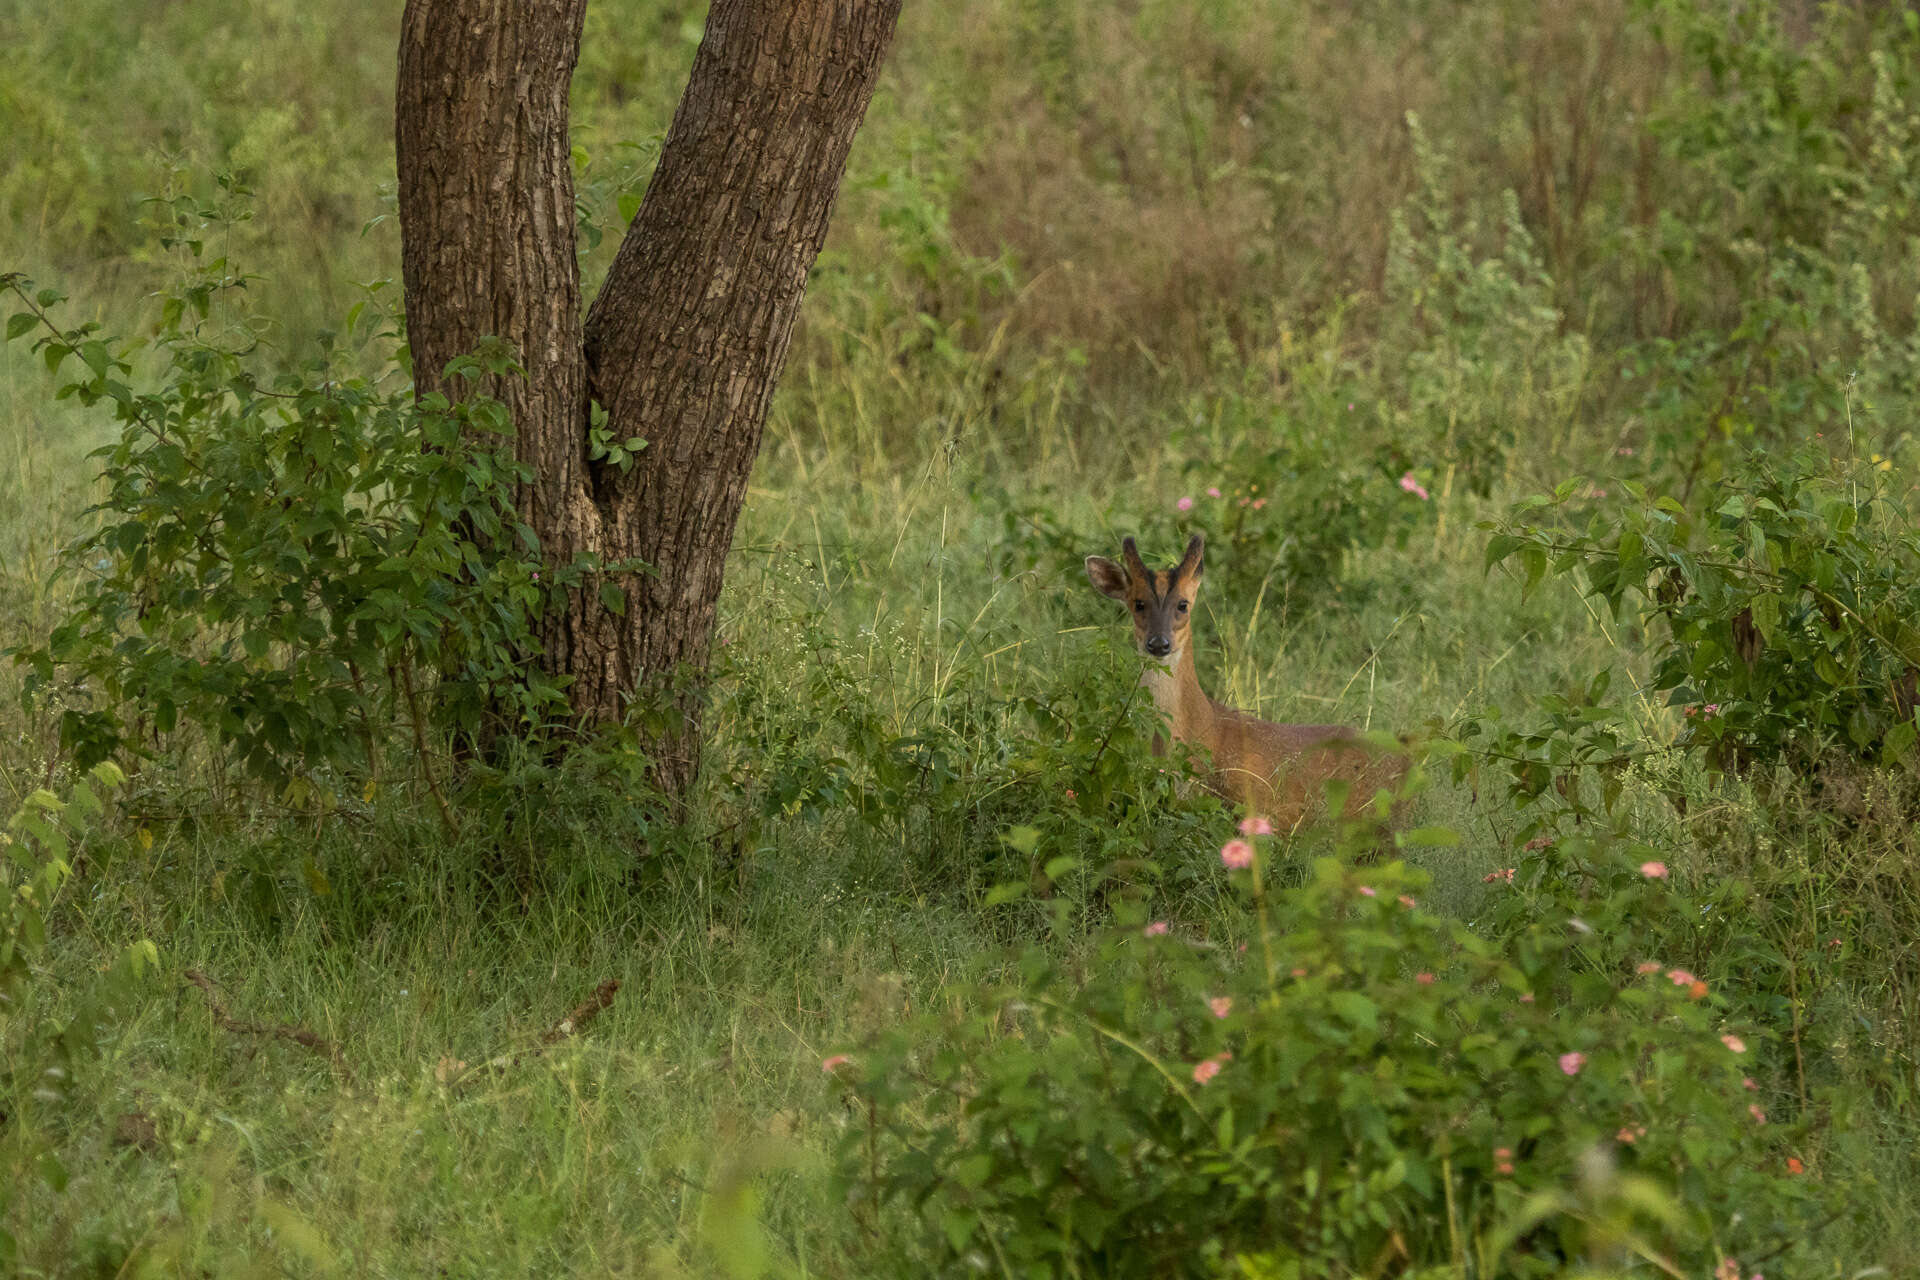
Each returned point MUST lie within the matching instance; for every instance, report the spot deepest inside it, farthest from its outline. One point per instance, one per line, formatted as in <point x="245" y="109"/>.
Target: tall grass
<point x="1089" y="260"/>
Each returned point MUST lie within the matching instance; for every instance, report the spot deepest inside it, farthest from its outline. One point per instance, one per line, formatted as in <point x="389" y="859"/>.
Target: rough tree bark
<point x="687" y="338"/>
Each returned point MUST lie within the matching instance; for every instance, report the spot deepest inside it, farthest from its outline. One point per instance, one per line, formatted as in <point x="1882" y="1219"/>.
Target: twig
<point x="299" y="1035"/>
<point x="583" y="1013"/>
<point x="571" y="1025"/>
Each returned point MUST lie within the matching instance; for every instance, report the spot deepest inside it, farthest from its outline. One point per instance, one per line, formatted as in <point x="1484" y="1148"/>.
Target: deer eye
<point x="1139" y="606"/>
<point x="1183" y="606"/>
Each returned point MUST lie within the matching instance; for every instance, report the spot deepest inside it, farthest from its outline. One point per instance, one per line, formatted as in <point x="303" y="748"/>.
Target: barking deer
<point x="1279" y="771"/>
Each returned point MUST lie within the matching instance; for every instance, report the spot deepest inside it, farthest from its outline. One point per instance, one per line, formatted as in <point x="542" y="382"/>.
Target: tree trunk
<point x="687" y="338"/>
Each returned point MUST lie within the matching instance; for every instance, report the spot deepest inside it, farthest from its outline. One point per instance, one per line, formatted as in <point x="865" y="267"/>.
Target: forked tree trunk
<point x="687" y="338"/>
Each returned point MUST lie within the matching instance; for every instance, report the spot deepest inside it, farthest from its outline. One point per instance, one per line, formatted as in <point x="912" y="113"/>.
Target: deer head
<point x="1161" y="600"/>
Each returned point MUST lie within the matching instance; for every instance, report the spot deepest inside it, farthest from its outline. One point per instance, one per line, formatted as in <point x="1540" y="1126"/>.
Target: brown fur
<point x="1279" y="771"/>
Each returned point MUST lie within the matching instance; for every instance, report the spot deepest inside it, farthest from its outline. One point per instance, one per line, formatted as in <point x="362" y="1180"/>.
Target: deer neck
<point x="1176" y="692"/>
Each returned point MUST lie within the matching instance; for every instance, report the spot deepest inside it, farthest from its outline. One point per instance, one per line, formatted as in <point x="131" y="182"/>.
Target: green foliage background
<point x="1090" y="261"/>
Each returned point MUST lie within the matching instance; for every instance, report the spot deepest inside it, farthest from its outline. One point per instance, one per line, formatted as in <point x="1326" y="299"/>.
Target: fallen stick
<point x="299" y="1035"/>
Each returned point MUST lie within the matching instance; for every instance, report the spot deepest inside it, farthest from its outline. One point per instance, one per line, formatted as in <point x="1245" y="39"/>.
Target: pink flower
<point x="1539" y="842"/>
<point x="1570" y="1063"/>
<point x="1625" y="451"/>
<point x="1734" y="1043"/>
<point x="1414" y="487"/>
<point x="1072" y="794"/>
<point x="1221" y="1006"/>
<point x="1407" y="902"/>
<point x="1299" y="973"/>
<point x="1259" y="503"/>
<point x="1424" y="979"/>
<point x="1255" y="826"/>
<point x="1729" y="1269"/>
<point x="1647" y="966"/>
<point x="1711" y="709"/>
<point x="1654" y="870"/>
<point x="837" y="1061"/>
<point x="1759" y="1116"/>
<point x="1185" y="504"/>
<point x="1368" y="891"/>
<point x="1209" y="1068"/>
<point x="1681" y="978"/>
<point x="1505" y="874"/>
<point x="1236" y="855"/>
<point x="1526" y="997"/>
<point x="536" y="575"/>
<point x="1746" y="1082"/>
<point x="1158" y="929"/>
<point x="1625" y="1135"/>
<point x="1213" y="493"/>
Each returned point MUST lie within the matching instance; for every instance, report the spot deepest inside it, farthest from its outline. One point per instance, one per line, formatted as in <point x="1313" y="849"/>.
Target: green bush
<point x="1361" y="1082"/>
<point x="295" y="561"/>
<point x="1789" y="608"/>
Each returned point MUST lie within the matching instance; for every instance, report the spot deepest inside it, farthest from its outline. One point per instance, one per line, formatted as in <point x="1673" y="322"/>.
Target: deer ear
<point x="1108" y="578"/>
<point x="1191" y="564"/>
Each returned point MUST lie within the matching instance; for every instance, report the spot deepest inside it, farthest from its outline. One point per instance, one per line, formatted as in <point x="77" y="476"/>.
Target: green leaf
<point x="20" y="323"/>
<point x="1025" y="839"/>
<point x="1356" y="1009"/>
<point x="613" y="600"/>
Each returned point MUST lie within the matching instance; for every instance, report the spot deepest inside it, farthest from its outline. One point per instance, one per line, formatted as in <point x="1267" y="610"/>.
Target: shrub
<point x="1365" y="1081"/>
<point x="296" y="562"/>
<point x="1789" y="606"/>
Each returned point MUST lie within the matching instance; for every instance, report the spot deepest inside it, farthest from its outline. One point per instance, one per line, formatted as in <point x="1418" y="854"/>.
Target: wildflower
<point x="1414" y="487"/>
<point x="1259" y="503"/>
<point x="1729" y="1269"/>
<point x="1696" y="989"/>
<point x="1538" y="843"/>
<point x="1503" y="1160"/>
<point x="1185" y="504"/>
<point x="1794" y="1165"/>
<point x="1526" y="997"/>
<point x="1212" y="492"/>
<point x="1654" y="870"/>
<point x="1221" y="1006"/>
<point x="1407" y="902"/>
<point x="1299" y="973"/>
<point x="1245" y="501"/>
<point x="1624" y="451"/>
<point x="1647" y="966"/>
<point x="1759" y="1116"/>
<point x="1349" y="406"/>
<point x="1158" y="929"/>
<point x="1368" y="891"/>
<point x="1072" y="794"/>
<point x="536" y="575"/>
<point x="1236" y="855"/>
<point x="1424" y="979"/>
<point x="837" y="1061"/>
<point x="1680" y="977"/>
<point x="1209" y="1068"/>
<point x="1734" y="1043"/>
<point x="1505" y="874"/>
<point x="1746" y="1082"/>
<point x="1710" y="710"/>
<point x="1570" y="1063"/>
<point x="1625" y="1135"/>
<point x="1255" y="826"/>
